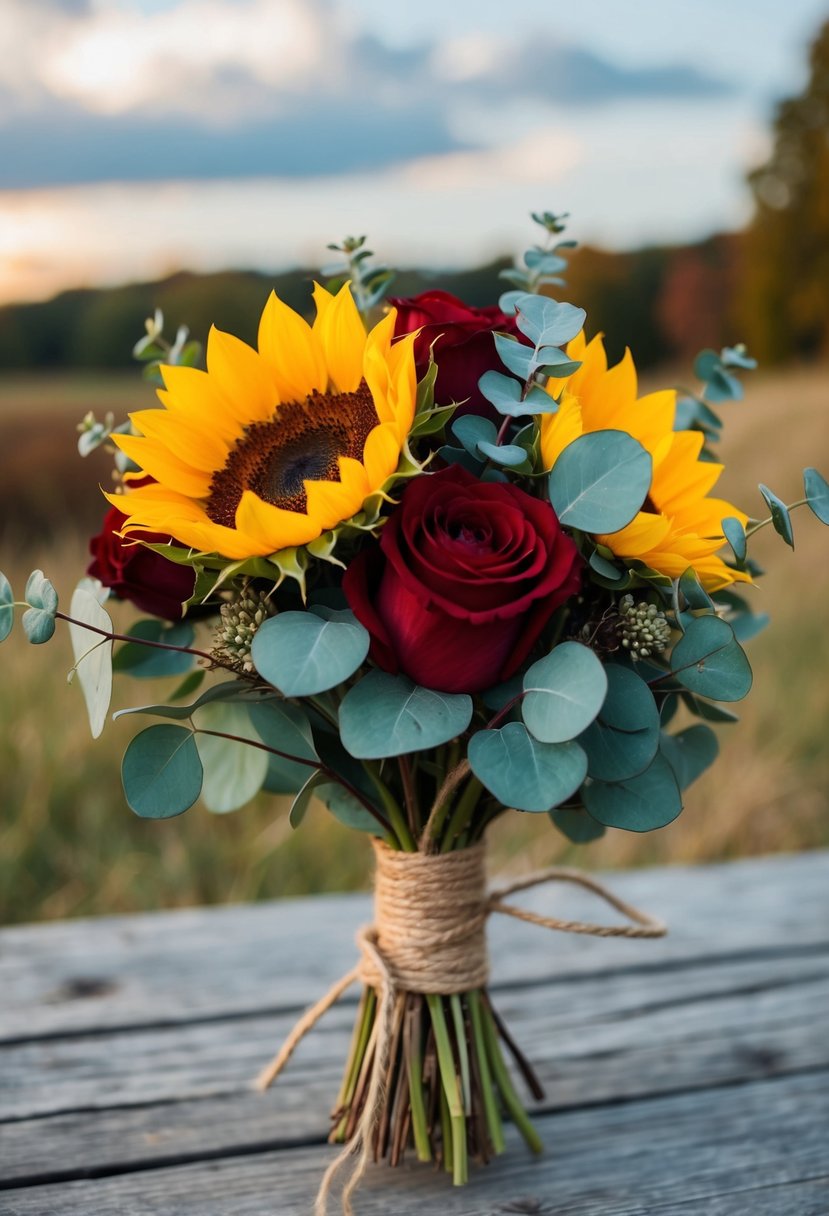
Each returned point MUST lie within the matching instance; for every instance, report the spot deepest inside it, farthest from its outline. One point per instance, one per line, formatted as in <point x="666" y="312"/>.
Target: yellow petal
<point x="292" y="351"/>
<point x="195" y="445"/>
<point x="157" y="461"/>
<point x="342" y="334"/>
<point x="559" y="429"/>
<point x="381" y="454"/>
<point x="376" y="370"/>
<point x="273" y="528"/>
<point x="244" y="379"/>
<point x="193" y="395"/>
<point x="644" y="533"/>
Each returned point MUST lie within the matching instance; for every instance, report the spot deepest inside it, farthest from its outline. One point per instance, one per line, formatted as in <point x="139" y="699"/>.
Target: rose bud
<point x="462" y="582"/>
<point x="464" y="347"/>
<point x="138" y="574"/>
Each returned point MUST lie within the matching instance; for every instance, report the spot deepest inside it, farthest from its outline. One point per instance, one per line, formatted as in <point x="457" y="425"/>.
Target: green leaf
<point x="564" y="692"/>
<point x="302" y="654"/>
<point x="780" y="518"/>
<point x="600" y="481"/>
<point x="39" y="619"/>
<point x="516" y="356"/>
<point x="624" y="739"/>
<point x="816" y="490"/>
<point x="471" y="430"/>
<point x="161" y="771"/>
<point x="548" y="322"/>
<point x="577" y="825"/>
<point x="93" y="656"/>
<point x="690" y="752"/>
<point x="696" y="597"/>
<point x="504" y="393"/>
<point x="605" y="568"/>
<point x="508" y="454"/>
<point x="388" y="715"/>
<point x="735" y="534"/>
<point x="640" y="804"/>
<point x="523" y="773"/>
<point x="708" y="710"/>
<point x="708" y="659"/>
<point x="150" y="662"/>
<point x="285" y="727"/>
<point x="234" y="772"/>
<point x="347" y="809"/>
<point x="229" y="690"/>
<point x="6" y="607"/>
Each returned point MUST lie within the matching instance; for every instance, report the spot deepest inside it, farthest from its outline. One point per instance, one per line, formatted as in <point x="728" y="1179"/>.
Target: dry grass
<point x="70" y="846"/>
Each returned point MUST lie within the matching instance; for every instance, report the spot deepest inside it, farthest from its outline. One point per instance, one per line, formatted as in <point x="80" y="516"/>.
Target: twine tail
<point x="643" y="925"/>
<point x="307" y="1022"/>
<point x="360" y="1144"/>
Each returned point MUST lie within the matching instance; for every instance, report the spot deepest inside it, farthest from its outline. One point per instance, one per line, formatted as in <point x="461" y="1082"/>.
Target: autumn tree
<point x="785" y="281"/>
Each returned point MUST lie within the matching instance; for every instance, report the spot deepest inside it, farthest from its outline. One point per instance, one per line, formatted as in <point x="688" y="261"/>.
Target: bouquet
<point x="430" y="565"/>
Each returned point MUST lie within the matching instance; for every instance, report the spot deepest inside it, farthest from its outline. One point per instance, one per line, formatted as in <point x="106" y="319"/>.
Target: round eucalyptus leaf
<point x="234" y="772"/>
<point x="577" y="825"/>
<point x="600" y="481"/>
<point x="39" y="625"/>
<point x="708" y="660"/>
<point x="286" y="728"/>
<point x="6" y="607"/>
<point x="523" y="773"/>
<point x="387" y="715"/>
<point x="624" y="738"/>
<point x="505" y="393"/>
<point x="93" y="656"/>
<point x="640" y="804"/>
<point x="564" y="692"/>
<point x="816" y="490"/>
<point x="301" y="653"/>
<point x="161" y="771"/>
<point x="40" y="593"/>
<point x="347" y="809"/>
<point x="689" y="752"/>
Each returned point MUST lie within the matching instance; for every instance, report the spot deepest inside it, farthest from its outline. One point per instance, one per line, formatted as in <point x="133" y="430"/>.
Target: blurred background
<point x="191" y="154"/>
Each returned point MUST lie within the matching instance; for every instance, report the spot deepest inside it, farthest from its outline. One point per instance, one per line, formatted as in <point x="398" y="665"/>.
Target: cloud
<point x="236" y="88"/>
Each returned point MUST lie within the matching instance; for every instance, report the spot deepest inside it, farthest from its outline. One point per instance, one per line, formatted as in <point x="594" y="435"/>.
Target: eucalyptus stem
<point x="462" y="814"/>
<point x="762" y="523"/>
<point x="394" y="811"/>
<point x="363" y="1028"/>
<point x="463" y="1052"/>
<point x="413" y="1034"/>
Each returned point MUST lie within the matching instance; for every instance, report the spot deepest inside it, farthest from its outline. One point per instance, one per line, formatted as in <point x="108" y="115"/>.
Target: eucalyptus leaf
<point x="508" y="454"/>
<point x="300" y="804"/>
<point x="39" y="619"/>
<point x="472" y="430"/>
<point x="708" y="710"/>
<point x="624" y="738"/>
<point x="93" y="656"/>
<point x="564" y="692"/>
<point x="516" y="356"/>
<point x="523" y="773"/>
<point x="161" y="771"/>
<point x="780" y="519"/>
<point x="505" y="393"/>
<point x="735" y="534"/>
<point x="643" y="803"/>
<point x="229" y="690"/>
<point x="548" y="322"/>
<point x="576" y="824"/>
<point x="816" y="490"/>
<point x="387" y="715"/>
<point x="284" y="727"/>
<point x="6" y="607"/>
<point x="301" y="654"/>
<point x="708" y="660"/>
<point x="689" y="752"/>
<point x="600" y="481"/>
<point x="38" y="624"/>
<point x="234" y="772"/>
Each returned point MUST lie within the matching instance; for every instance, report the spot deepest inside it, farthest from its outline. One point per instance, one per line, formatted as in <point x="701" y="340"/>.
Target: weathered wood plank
<point x="168" y="967"/>
<point x="755" y="1148"/>
<point x="177" y="1091"/>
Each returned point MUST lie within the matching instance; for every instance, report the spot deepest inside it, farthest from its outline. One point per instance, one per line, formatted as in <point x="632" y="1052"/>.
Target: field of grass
<point x="70" y="846"/>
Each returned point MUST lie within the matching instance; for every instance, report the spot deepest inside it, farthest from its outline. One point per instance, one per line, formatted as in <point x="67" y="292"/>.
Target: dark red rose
<point x="464" y="345"/>
<point x="136" y="573"/>
<point x="463" y="581"/>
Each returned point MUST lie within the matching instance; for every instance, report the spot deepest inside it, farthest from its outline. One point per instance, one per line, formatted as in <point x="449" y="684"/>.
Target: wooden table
<point x="689" y="1075"/>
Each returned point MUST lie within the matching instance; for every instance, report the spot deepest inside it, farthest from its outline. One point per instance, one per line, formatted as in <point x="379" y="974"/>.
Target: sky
<point x="141" y="136"/>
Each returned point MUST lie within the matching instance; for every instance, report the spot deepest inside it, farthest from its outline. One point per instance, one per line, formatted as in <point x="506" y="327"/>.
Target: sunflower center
<point x="302" y="442"/>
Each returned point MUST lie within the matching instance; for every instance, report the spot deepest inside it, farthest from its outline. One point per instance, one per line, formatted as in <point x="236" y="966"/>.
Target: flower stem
<point x="396" y="817"/>
<point x="493" y="1117"/>
<point x="504" y="1082"/>
<point x="462" y="814"/>
<point x="451" y="1091"/>
<point x="420" y="1129"/>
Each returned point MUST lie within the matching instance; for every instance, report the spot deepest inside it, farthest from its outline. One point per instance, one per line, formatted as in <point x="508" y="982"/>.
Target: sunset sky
<point x="139" y="136"/>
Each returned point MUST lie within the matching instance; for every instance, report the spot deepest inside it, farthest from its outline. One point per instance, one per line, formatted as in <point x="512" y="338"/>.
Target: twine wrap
<point x="429" y="937"/>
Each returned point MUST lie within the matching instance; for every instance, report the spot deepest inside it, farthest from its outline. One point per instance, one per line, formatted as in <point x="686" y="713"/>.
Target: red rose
<point x="464" y="345"/>
<point x="136" y="573"/>
<point x="463" y="581"/>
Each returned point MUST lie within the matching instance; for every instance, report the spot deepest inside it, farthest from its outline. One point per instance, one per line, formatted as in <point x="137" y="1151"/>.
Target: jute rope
<point x="429" y="936"/>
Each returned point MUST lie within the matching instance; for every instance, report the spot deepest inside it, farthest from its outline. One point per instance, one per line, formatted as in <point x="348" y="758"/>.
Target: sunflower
<point x="270" y="448"/>
<point x="680" y="526"/>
